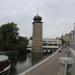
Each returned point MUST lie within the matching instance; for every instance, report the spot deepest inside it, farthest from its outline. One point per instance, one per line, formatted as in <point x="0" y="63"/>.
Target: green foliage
<point x="10" y="39"/>
<point x="31" y="38"/>
<point x="22" y="43"/>
<point x="9" y="34"/>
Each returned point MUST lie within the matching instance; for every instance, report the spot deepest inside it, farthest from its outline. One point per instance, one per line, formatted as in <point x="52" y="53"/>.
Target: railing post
<point x="65" y="70"/>
<point x="64" y="62"/>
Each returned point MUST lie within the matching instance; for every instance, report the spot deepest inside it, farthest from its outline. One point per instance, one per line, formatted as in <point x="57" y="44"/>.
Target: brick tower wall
<point x="37" y="38"/>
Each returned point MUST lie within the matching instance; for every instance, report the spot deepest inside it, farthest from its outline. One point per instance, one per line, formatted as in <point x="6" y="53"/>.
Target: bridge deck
<point x="49" y="66"/>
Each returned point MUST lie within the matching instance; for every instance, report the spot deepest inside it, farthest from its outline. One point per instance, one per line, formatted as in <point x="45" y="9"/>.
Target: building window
<point x="44" y="44"/>
<point x="49" y="44"/>
<point x="55" y="44"/>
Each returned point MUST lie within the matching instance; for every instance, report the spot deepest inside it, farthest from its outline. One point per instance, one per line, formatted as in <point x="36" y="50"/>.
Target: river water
<point x="20" y="62"/>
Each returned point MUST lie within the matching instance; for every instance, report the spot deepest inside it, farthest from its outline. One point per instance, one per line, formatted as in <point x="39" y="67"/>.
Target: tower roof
<point x="37" y="18"/>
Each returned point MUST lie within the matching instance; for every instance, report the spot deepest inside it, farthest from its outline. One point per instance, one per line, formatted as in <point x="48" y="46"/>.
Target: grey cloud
<point x="58" y="15"/>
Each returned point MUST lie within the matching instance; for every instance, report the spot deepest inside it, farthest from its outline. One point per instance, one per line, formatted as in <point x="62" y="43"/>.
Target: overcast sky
<point x="58" y="15"/>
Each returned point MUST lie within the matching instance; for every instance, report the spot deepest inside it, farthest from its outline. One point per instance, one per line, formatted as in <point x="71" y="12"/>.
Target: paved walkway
<point x="49" y="66"/>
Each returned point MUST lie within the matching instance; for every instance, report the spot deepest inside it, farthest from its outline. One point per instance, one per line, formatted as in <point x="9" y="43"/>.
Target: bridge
<point x="60" y="63"/>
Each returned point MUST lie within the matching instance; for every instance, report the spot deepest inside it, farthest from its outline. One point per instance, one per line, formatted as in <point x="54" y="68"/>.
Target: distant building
<point x="73" y="38"/>
<point x="69" y="38"/>
<point x="49" y="44"/>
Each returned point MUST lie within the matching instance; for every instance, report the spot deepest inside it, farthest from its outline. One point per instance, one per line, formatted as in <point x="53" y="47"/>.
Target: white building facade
<point x="49" y="44"/>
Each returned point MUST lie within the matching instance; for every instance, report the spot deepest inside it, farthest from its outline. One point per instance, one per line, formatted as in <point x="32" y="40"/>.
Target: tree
<point x="10" y="39"/>
<point x="8" y="35"/>
<point x="22" y="44"/>
<point x="31" y="38"/>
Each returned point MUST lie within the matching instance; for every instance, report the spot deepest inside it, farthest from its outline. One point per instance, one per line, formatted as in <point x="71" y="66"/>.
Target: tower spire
<point x="74" y="27"/>
<point x="37" y="11"/>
